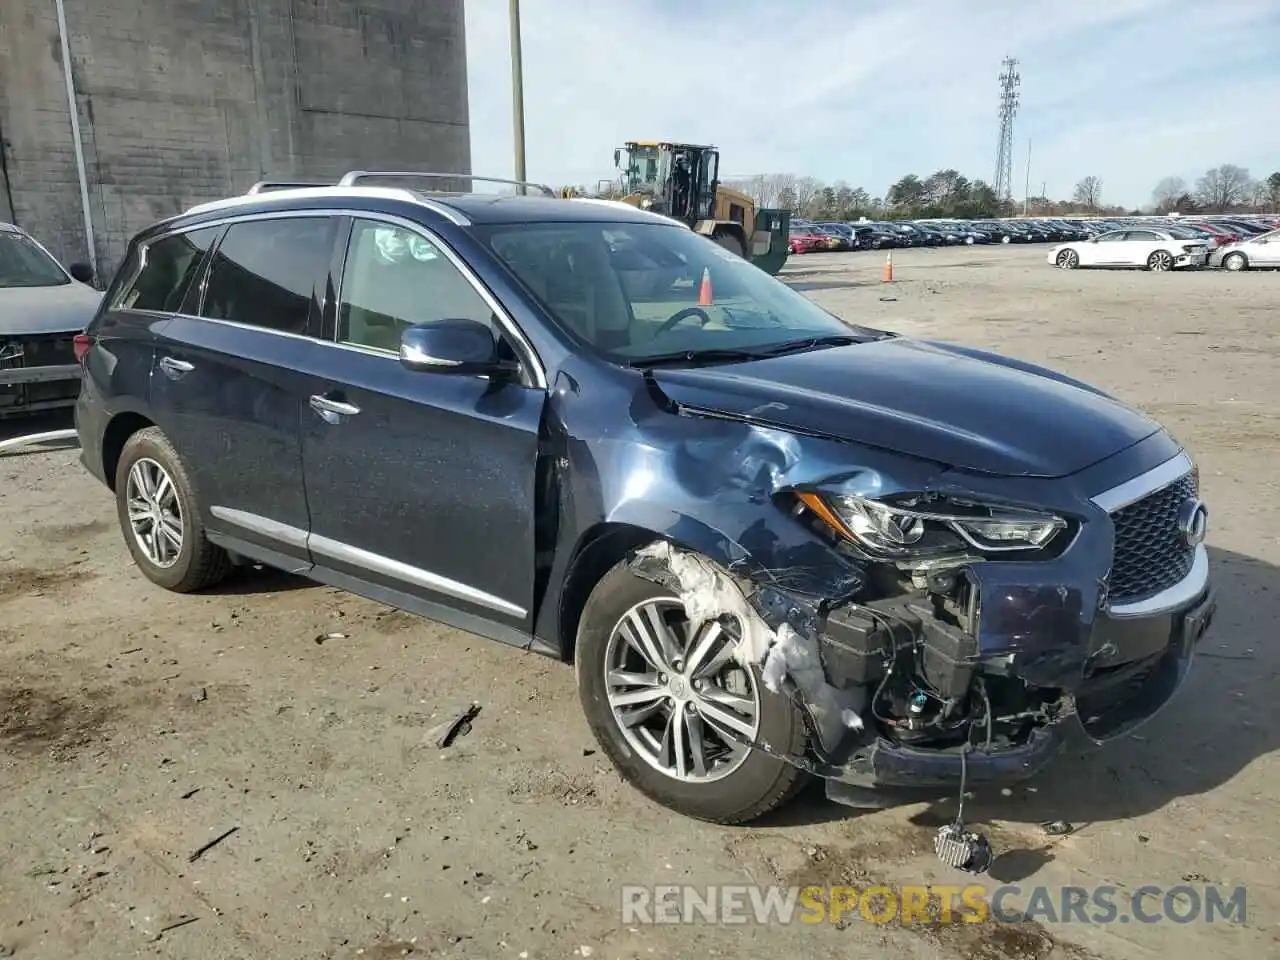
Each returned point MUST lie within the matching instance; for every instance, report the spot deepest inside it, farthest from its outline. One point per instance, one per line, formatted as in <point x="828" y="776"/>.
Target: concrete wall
<point x="188" y="100"/>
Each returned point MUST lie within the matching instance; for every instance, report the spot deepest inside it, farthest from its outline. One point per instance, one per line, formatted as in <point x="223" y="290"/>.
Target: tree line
<point x="948" y="193"/>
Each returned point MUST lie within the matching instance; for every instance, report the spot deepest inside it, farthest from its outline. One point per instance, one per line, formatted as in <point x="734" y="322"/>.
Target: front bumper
<point x="1191" y="260"/>
<point x="1109" y="703"/>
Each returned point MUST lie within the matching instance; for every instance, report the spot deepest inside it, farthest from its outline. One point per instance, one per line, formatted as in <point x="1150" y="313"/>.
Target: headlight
<point x="927" y="526"/>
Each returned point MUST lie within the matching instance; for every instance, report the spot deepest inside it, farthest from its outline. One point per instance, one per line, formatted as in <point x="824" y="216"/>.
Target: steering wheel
<point x="681" y="315"/>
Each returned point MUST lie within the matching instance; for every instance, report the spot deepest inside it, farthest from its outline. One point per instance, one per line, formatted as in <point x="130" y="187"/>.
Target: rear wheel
<point x="665" y="700"/>
<point x="1235" y="262"/>
<point x="731" y="243"/>
<point x="1068" y="260"/>
<point x="1161" y="261"/>
<point x="158" y="515"/>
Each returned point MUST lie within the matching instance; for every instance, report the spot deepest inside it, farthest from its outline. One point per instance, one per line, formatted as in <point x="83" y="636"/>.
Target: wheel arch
<point x="120" y="428"/>
<point x="606" y="544"/>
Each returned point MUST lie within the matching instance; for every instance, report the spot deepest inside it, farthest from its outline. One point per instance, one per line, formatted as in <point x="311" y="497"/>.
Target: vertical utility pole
<point x="1010" y="80"/>
<point x="517" y="94"/>
<point x="1026" y="190"/>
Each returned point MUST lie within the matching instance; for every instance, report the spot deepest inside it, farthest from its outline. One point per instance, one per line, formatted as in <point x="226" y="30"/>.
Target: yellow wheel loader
<point x="682" y="181"/>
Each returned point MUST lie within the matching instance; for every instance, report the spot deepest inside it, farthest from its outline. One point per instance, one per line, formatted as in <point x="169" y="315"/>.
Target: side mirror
<point x="617" y="158"/>
<point x="82" y="272"/>
<point x="455" y="346"/>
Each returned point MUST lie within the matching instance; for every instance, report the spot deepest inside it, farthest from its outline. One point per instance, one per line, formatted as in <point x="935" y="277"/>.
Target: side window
<point x="168" y="267"/>
<point x="264" y="272"/>
<point x="395" y="278"/>
<point x="1141" y="235"/>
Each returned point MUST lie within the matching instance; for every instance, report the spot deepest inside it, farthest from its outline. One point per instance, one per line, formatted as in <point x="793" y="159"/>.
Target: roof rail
<point x="264" y="185"/>
<point x="351" y="177"/>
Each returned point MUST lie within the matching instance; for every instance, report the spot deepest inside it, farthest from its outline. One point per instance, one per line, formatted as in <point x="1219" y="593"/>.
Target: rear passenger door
<point x="420" y="484"/>
<point x="229" y="380"/>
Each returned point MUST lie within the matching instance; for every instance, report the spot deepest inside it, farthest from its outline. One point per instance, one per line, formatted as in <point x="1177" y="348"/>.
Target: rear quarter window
<point x="164" y="271"/>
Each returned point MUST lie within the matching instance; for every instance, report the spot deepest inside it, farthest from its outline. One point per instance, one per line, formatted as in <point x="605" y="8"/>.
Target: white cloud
<point x="1127" y="90"/>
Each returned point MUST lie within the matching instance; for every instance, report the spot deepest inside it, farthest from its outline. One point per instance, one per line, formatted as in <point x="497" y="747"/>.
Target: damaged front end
<point x="973" y="635"/>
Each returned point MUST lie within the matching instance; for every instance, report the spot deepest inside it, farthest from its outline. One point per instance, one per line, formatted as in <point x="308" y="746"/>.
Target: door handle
<point x="331" y="410"/>
<point x="175" y="369"/>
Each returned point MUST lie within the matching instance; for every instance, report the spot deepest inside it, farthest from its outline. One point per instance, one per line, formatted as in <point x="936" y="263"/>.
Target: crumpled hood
<point x="63" y="309"/>
<point x="964" y="408"/>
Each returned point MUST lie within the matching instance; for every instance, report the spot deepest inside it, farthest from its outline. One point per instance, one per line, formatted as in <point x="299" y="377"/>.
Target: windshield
<point x="631" y="291"/>
<point x="24" y="264"/>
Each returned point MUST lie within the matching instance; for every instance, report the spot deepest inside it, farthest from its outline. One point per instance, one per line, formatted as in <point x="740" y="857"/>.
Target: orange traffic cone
<point x="704" y="289"/>
<point x="887" y="276"/>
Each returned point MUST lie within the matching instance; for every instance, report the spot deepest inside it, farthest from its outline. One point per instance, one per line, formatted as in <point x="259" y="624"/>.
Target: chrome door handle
<point x="175" y="368"/>
<point x="331" y="410"/>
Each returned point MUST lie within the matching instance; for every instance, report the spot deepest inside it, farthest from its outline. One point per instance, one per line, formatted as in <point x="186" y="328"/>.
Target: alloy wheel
<point x="1160" y="261"/>
<point x="155" y="513"/>
<point x="680" y="698"/>
<point x="1234" y="261"/>
<point x="1068" y="260"/>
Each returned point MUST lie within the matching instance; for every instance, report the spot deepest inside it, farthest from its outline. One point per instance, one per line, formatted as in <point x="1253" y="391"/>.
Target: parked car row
<point x="1172" y="243"/>
<point x="809" y="236"/>
<point x="1239" y="242"/>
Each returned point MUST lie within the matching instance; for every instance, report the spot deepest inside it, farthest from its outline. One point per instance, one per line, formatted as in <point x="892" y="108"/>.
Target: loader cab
<point x="676" y="179"/>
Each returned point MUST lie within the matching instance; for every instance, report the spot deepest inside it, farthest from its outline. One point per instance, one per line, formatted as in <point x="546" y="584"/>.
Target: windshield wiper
<point x="813" y="343"/>
<point x="697" y="357"/>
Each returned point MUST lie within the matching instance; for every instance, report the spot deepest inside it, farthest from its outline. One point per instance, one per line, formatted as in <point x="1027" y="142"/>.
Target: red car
<point x="1224" y="234"/>
<point x="801" y="240"/>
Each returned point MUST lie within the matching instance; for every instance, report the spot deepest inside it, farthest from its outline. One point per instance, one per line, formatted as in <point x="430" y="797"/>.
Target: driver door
<point x="420" y="484"/>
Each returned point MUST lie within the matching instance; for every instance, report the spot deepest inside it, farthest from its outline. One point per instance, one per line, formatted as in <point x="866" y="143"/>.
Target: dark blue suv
<point x="774" y="543"/>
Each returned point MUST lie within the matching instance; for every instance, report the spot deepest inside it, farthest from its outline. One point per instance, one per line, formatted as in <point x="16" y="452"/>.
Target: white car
<point x="1262" y="251"/>
<point x="1136" y="247"/>
<point x="42" y="308"/>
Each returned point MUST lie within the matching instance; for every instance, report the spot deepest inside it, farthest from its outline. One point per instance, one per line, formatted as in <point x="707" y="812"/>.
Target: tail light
<point x="81" y="343"/>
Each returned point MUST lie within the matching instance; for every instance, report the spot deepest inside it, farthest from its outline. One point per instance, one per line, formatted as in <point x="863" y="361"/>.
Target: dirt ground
<point x="138" y="726"/>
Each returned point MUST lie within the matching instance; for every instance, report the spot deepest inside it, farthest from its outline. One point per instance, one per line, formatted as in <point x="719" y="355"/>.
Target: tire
<point x="1235" y="262"/>
<point x="1006" y="239"/>
<point x="196" y="564"/>
<point x="749" y="787"/>
<point x="731" y="243"/>
<point x="1068" y="260"/>
<point x="1160" y="261"/>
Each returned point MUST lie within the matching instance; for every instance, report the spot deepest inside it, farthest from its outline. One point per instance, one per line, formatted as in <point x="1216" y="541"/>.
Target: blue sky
<point x="865" y="91"/>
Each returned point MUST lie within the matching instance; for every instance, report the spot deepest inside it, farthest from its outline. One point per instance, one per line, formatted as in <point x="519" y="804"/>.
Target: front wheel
<point x="1235" y="262"/>
<point x="1161" y="261"/>
<point x="1068" y="260"/>
<point x="670" y="705"/>
<point x="1006" y="239"/>
<point x="156" y="504"/>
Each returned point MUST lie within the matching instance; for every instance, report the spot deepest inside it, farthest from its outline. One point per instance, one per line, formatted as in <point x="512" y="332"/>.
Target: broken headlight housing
<point x="927" y="525"/>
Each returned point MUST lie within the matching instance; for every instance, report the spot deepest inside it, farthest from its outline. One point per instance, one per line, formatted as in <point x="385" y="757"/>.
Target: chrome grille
<point x="1150" y="553"/>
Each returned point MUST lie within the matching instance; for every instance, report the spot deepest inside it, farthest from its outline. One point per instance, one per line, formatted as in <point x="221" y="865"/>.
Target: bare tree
<point x="1273" y="191"/>
<point x="806" y="190"/>
<point x="1224" y="187"/>
<point x="1166" y="194"/>
<point x="1088" y="192"/>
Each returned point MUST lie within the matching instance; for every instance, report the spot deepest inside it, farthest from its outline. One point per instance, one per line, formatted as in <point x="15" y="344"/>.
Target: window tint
<point x="1141" y="235"/>
<point x="168" y="267"/>
<point x="264" y="272"/>
<point x="395" y="278"/>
